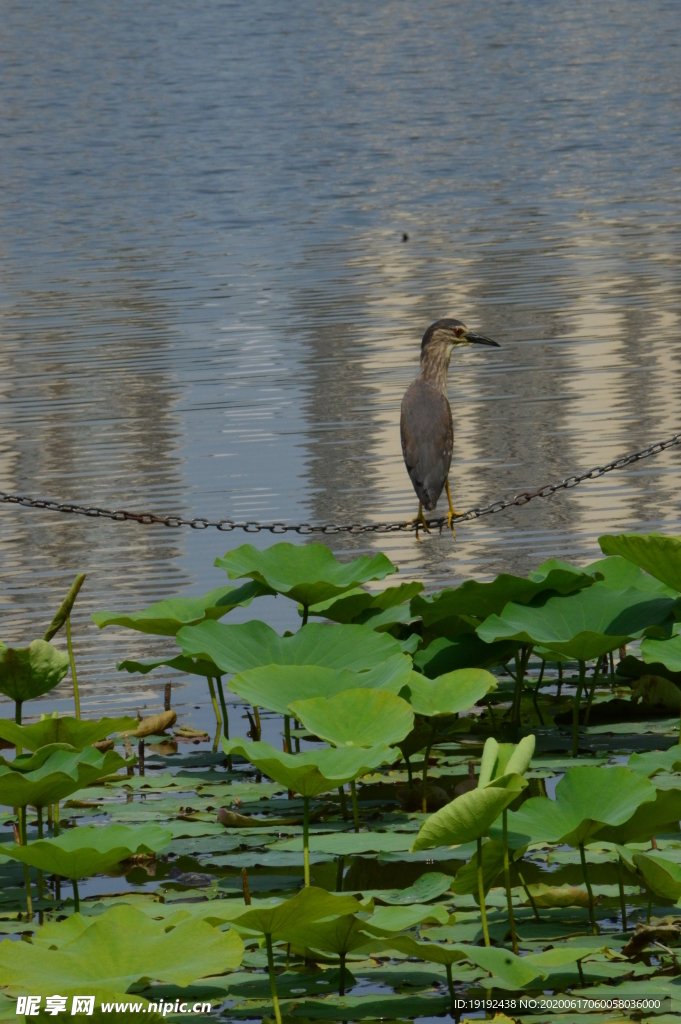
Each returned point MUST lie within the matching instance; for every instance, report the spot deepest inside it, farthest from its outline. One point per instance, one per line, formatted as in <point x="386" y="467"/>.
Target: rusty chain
<point x="227" y="525"/>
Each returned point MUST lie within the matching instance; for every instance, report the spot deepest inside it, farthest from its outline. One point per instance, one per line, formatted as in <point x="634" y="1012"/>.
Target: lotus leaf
<point x="480" y="600"/>
<point x="661" y="875"/>
<point x="616" y="573"/>
<point x="466" y="651"/>
<point x="389" y="920"/>
<point x="660" y="815"/>
<point x="309" y="905"/>
<point x="81" y="852"/>
<point x="469" y="816"/>
<point x="657" y="555"/>
<point x="356" y="718"/>
<point x="466" y="881"/>
<point x="557" y="896"/>
<point x="514" y="970"/>
<point x="587" y="799"/>
<point x="663" y="652"/>
<point x="65" y="607"/>
<point x="451" y="693"/>
<point x="653" y="761"/>
<point x="28" y="672"/>
<point x="584" y="625"/>
<point x="504" y="759"/>
<point x="61" y="774"/>
<point x="192" y="666"/>
<point x="119" y="948"/>
<point x="236" y="648"/>
<point x="316" y="771"/>
<point x="276" y="686"/>
<point x="339" y="935"/>
<point x="427" y="887"/>
<point x="73" y="731"/>
<point x="361" y="607"/>
<point x="166" y="618"/>
<point x="307" y="574"/>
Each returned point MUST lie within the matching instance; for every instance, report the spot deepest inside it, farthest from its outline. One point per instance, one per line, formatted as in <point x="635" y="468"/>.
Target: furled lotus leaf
<point x="451" y="693"/>
<point x="76" y="732"/>
<point x="466" y="651"/>
<point x="479" y="600"/>
<point x="65" y="607"/>
<point x="316" y="771"/>
<point x="470" y="815"/>
<point x="309" y="905"/>
<point x="583" y="625"/>
<point x="587" y="800"/>
<point x="356" y="718"/>
<point x="663" y="652"/>
<point x="657" y="555"/>
<point x="28" y="672"/>
<point x="504" y="759"/>
<point x="166" y="618"/>
<point x="661" y="875"/>
<point x="119" y="948"/>
<point x="238" y="647"/>
<point x="514" y="970"/>
<point x="85" y="851"/>
<point x="308" y="574"/>
<point x="276" y="686"/>
<point x="61" y="774"/>
<point x="375" y="610"/>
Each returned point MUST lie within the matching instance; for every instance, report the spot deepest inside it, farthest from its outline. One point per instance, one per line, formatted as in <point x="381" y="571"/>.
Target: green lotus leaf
<point x="339" y="935"/>
<point x="466" y="881"/>
<point x="584" y="625"/>
<point x="166" y="618"/>
<point x="118" y="949"/>
<point x="389" y="920"/>
<point x="504" y="759"/>
<point x="663" y="652"/>
<point x="314" y="772"/>
<point x="514" y="970"/>
<point x="73" y="731"/>
<point x="309" y="905"/>
<point x="28" y="672"/>
<point x="652" y="818"/>
<point x="65" y="607"/>
<point x="614" y="572"/>
<point x="192" y="666"/>
<point x="657" y="555"/>
<point x="661" y="875"/>
<point x="307" y="574"/>
<point x="374" y="610"/>
<point x="349" y="844"/>
<point x="276" y="686"/>
<point x="356" y="718"/>
<point x="427" y="887"/>
<point x="451" y="693"/>
<point x="236" y="648"/>
<point x="587" y="800"/>
<point x="63" y="772"/>
<point x="81" y="852"/>
<point x="466" y="651"/>
<point x="479" y="600"/>
<point x="652" y="761"/>
<point x="470" y="815"/>
<point x="31" y="761"/>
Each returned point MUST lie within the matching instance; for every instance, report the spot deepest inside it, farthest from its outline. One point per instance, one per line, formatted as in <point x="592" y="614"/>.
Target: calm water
<point x="207" y="306"/>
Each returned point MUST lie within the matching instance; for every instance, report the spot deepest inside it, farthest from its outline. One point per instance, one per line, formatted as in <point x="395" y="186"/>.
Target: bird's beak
<point x="480" y="339"/>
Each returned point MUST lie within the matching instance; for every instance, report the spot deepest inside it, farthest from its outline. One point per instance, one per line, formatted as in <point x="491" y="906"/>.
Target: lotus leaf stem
<point x="216" y="709"/>
<point x="55" y="833"/>
<point x="76" y="896"/>
<point x="355" y="811"/>
<point x="287" y="733"/>
<point x="17" y="717"/>
<point x="623" y="905"/>
<point x="306" y="612"/>
<point x="590" y="701"/>
<point x="256" y="715"/>
<point x="41" y="889"/>
<point x="341" y="981"/>
<point x="575" y="709"/>
<point x="424" y="790"/>
<point x="581" y="972"/>
<point x="27" y="875"/>
<point x="74" y="677"/>
<point x="409" y="772"/>
<point x="306" y="838"/>
<point x="450" y="984"/>
<point x="223" y="705"/>
<point x="560" y="679"/>
<point x="339" y="874"/>
<point x="521" y="659"/>
<point x="592" y="916"/>
<point x="529" y="895"/>
<point x="507" y="880"/>
<point x="246" y="887"/>
<point x="343" y="802"/>
<point x="536" y="693"/>
<point x="481" y="894"/>
<point x="273" y="978"/>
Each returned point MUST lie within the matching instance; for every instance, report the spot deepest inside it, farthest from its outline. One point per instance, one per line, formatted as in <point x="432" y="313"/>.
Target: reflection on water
<point x="207" y="306"/>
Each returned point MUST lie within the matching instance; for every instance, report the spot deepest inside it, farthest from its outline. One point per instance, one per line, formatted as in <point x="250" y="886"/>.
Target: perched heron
<point x="426" y="421"/>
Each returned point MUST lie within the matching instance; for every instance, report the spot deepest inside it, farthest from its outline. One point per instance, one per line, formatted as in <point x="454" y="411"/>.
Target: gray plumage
<point x="426" y="427"/>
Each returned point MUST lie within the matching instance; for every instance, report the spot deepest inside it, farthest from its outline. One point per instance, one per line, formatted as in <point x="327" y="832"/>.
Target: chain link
<point x="304" y="529"/>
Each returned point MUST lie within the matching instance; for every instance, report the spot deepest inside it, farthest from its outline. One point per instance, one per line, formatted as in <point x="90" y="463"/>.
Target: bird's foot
<point x="420" y="520"/>
<point x="450" y="517"/>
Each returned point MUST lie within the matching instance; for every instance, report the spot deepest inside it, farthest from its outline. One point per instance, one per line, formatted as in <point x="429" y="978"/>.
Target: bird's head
<point x="443" y="335"/>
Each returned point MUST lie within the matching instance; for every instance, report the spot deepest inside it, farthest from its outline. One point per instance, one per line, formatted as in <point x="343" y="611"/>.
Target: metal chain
<point x="227" y="525"/>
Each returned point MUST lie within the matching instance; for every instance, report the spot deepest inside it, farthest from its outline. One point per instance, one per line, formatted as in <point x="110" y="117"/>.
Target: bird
<point x="426" y="428"/>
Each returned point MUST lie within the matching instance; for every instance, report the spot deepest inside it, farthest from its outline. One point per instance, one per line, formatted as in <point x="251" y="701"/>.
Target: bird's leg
<point x="451" y="513"/>
<point x="420" y="520"/>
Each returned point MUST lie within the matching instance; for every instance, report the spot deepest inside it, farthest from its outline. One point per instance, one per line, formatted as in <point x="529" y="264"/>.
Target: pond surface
<point x="207" y="305"/>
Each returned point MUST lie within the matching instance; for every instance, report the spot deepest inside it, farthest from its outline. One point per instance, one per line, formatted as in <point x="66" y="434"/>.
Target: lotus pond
<point x="469" y="795"/>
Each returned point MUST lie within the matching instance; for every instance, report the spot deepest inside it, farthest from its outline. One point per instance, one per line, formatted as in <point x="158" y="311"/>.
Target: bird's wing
<point x="427" y="439"/>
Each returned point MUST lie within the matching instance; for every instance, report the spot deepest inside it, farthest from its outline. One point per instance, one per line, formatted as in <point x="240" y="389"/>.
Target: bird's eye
<point x="458" y="331"/>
